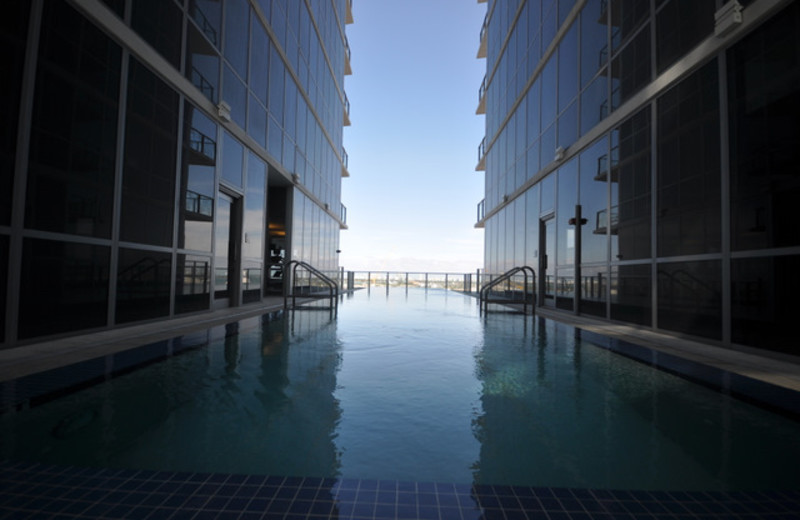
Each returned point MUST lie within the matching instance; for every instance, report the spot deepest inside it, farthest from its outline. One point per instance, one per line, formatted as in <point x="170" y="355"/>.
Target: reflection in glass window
<point x="257" y="122"/>
<point x="237" y="35"/>
<point x="73" y="142"/>
<point x="259" y="60"/>
<point x="595" y="175"/>
<point x="630" y="69"/>
<point x="630" y="294"/>
<point x="630" y="174"/>
<point x="202" y="64"/>
<point x="232" y="160"/>
<point x="160" y="24"/>
<point x="594" y="103"/>
<point x="207" y="15"/>
<point x="681" y="25"/>
<point x="567" y="199"/>
<point x="67" y="282"/>
<point x="276" y="85"/>
<point x="235" y="94"/>
<point x="151" y="139"/>
<point x="197" y="180"/>
<point x="626" y="17"/>
<point x="13" y="34"/>
<point x="764" y="101"/>
<point x="568" y="68"/>
<point x="689" y="166"/>
<point x="594" y="39"/>
<point x="143" y="285"/>
<point x="764" y="302"/>
<point x="594" y="284"/>
<point x="690" y="298"/>
<point x="568" y="126"/>
<point x="254" y="211"/>
<point x="192" y="283"/>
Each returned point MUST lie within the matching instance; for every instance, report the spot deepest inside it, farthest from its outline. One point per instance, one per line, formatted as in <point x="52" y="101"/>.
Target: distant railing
<point x="481" y="210"/>
<point x="463" y="282"/>
<point x="482" y="149"/>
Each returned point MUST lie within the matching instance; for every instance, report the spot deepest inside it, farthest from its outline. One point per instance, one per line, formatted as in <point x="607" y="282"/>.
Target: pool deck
<point x="781" y="371"/>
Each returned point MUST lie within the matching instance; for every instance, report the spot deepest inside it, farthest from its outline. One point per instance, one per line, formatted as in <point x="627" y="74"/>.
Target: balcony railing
<point x="481" y="210"/>
<point x="463" y="282"/>
<point x="205" y="86"/>
<point x="201" y="143"/>
<point x="346" y="110"/>
<point x="604" y="222"/>
<point x="202" y="21"/>
<point x="482" y="97"/>
<point x="482" y="149"/>
<point x="343" y="213"/>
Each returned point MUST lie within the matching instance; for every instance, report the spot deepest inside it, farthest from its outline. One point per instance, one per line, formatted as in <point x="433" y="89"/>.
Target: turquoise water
<point x="414" y="386"/>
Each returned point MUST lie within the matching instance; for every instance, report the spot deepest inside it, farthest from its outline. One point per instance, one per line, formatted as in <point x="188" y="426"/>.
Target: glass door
<point x="226" y="251"/>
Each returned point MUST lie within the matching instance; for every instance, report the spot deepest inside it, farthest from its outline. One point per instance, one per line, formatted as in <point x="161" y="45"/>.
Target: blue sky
<point x="413" y="190"/>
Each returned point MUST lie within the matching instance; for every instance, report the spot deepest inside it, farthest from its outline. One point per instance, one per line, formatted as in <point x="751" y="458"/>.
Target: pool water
<point x="414" y="386"/>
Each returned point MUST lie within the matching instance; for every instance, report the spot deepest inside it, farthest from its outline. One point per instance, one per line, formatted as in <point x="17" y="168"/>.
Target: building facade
<point x="161" y="157"/>
<point x="642" y="157"/>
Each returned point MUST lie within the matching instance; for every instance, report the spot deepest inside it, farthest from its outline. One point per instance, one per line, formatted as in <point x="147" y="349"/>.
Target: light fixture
<point x="560" y="152"/>
<point x="224" y="111"/>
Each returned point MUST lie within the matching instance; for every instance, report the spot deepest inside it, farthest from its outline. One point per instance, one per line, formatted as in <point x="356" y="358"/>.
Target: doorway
<point x="547" y="271"/>
<point x="227" y="251"/>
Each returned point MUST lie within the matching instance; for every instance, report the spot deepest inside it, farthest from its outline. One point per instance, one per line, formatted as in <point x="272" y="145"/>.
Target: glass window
<point x="255" y="198"/>
<point x="594" y="103"/>
<point x="689" y="166"/>
<point x="626" y="17"/>
<point x="235" y="94"/>
<point x="192" y="283"/>
<point x="251" y="281"/>
<point x="630" y="69"/>
<point x="65" y="282"/>
<point x="3" y="284"/>
<point x="681" y="25"/>
<point x="631" y="294"/>
<point x="276" y="85"/>
<point x="13" y="34"/>
<point x="160" y="23"/>
<point x="594" y="285"/>
<point x="549" y="92"/>
<point x="257" y="122"/>
<point x="237" y="36"/>
<point x="594" y="39"/>
<point x="532" y="227"/>
<point x="595" y="175"/>
<point x="197" y="180"/>
<point x="764" y="108"/>
<point x="568" y="68"/>
<point x="690" y="298"/>
<point x="202" y="64"/>
<point x="151" y="139"/>
<point x="232" y="160"/>
<point x="207" y="14"/>
<point x="630" y="174"/>
<point x="568" y="126"/>
<point x="275" y="139"/>
<point x="764" y="302"/>
<point x="548" y="187"/>
<point x="565" y="289"/>
<point x="73" y="145"/>
<point x="567" y="199"/>
<point x="259" y="60"/>
<point x="143" y="285"/>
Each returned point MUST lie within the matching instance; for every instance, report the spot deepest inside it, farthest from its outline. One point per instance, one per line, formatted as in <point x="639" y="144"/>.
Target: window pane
<point x="764" y="101"/>
<point x="151" y="138"/>
<point x="197" y="180"/>
<point x="74" y="127"/>
<point x="630" y="69"/>
<point x="764" y="302"/>
<point x="234" y="93"/>
<point x="594" y="39"/>
<point x="568" y="68"/>
<point x="207" y="14"/>
<point x="259" y="61"/>
<point x="690" y="298"/>
<point x="143" y="285"/>
<point x="595" y="176"/>
<point x="594" y="103"/>
<point x="257" y="122"/>
<point x="160" y="23"/>
<point x="65" y="282"/>
<point x="255" y="198"/>
<point x="681" y="25"/>
<point x="567" y="198"/>
<point x="202" y="63"/>
<point x="232" y="160"/>
<point x="629" y="166"/>
<point x="626" y="17"/>
<point x="689" y="166"/>
<point x="594" y="283"/>
<point x="237" y="35"/>
<point x="13" y="32"/>
<point x="192" y="283"/>
<point x="630" y="294"/>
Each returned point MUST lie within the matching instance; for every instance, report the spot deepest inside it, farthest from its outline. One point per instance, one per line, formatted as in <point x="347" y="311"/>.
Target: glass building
<point x="161" y="157"/>
<point x="642" y="156"/>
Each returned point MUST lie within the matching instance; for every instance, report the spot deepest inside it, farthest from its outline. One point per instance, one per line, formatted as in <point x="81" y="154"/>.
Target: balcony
<point x="346" y="111"/>
<point x="607" y="171"/>
<point x="348" y="16"/>
<point x="482" y="98"/>
<point x="481" y="210"/>
<point x="343" y="214"/>
<point x="483" y="45"/>
<point x="348" y="71"/>
<point x="603" y="221"/>
<point x="345" y="159"/>
<point x="481" y="156"/>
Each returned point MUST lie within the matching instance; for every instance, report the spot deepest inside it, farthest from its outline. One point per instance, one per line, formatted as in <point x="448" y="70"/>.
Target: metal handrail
<point x="484" y="292"/>
<point x="333" y="288"/>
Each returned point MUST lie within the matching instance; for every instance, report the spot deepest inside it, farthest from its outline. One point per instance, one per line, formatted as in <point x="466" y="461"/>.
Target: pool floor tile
<point x="51" y="491"/>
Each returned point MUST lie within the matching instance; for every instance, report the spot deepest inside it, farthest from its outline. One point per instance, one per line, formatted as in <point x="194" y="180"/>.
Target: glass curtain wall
<point x="711" y="147"/>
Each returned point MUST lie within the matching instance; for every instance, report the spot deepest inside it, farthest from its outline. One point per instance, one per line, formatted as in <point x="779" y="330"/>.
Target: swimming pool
<point x="414" y="386"/>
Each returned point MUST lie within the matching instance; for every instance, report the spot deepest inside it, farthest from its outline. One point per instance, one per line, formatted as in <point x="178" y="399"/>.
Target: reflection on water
<point x="416" y="386"/>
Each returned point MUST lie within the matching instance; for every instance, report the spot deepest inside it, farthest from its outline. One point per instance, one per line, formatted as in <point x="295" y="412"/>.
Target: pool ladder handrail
<point x="485" y="299"/>
<point x="290" y="283"/>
